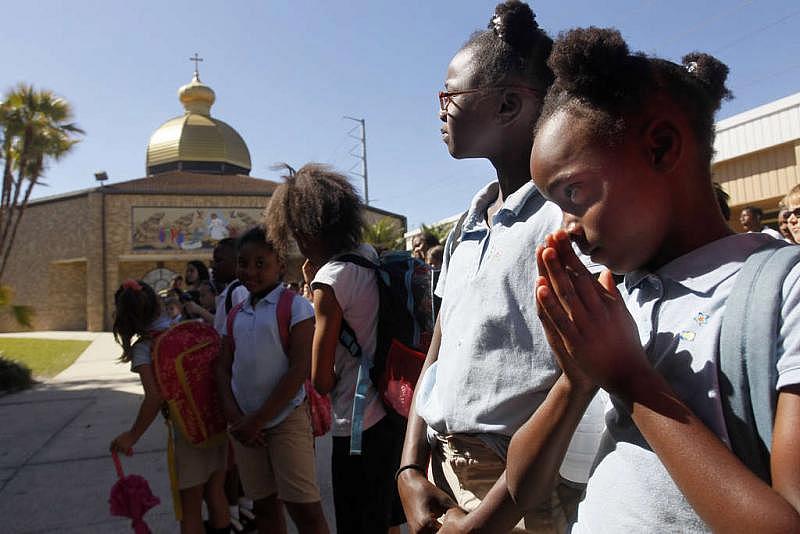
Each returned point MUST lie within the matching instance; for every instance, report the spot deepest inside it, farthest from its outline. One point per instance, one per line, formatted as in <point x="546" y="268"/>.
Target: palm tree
<point x="384" y="234"/>
<point x="439" y="231"/>
<point x="36" y="128"/>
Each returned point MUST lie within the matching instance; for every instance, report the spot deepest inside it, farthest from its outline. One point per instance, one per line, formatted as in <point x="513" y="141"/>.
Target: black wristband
<point x="415" y="467"/>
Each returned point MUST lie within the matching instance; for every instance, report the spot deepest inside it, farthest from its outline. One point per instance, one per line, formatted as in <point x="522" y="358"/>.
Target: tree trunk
<point x="20" y="209"/>
<point x="8" y="179"/>
<point x="5" y="245"/>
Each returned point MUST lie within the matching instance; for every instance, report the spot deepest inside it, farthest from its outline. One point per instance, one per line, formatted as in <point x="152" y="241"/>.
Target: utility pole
<point x="363" y="156"/>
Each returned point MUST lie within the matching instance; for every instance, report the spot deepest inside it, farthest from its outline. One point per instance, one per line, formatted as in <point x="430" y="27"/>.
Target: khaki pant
<point x="465" y="467"/>
<point x="285" y="466"/>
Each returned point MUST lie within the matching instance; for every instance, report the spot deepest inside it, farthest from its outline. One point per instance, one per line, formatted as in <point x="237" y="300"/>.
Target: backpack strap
<point x="229" y="295"/>
<point x="361" y="261"/>
<point x="229" y="323"/>
<point x="283" y="311"/>
<point x="748" y="353"/>
<point x="458" y="230"/>
<point x="347" y="337"/>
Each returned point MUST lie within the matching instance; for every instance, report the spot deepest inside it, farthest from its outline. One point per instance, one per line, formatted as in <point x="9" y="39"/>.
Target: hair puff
<point x="584" y="59"/>
<point x="515" y="23"/>
<point x="710" y="72"/>
<point x="513" y="50"/>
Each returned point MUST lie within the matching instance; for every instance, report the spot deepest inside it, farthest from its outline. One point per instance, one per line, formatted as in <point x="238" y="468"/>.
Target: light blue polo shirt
<point x="678" y="311"/>
<point x="259" y="361"/>
<point x="495" y="366"/>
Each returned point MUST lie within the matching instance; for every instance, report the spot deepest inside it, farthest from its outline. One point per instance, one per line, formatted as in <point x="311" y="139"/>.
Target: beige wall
<point x="66" y="296"/>
<point x="57" y="262"/>
<point x="760" y="176"/>
<point x="759" y="179"/>
<point x="49" y="232"/>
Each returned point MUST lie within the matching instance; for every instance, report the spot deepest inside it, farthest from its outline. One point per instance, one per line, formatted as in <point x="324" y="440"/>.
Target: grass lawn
<point x="45" y="357"/>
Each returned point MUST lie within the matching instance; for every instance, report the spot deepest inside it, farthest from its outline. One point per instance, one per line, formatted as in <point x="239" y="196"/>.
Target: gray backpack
<point x="748" y="353"/>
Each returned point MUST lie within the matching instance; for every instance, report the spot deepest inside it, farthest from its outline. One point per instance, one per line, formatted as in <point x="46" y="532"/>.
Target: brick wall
<point x="57" y="262"/>
<point x="48" y="232"/>
<point x="65" y="306"/>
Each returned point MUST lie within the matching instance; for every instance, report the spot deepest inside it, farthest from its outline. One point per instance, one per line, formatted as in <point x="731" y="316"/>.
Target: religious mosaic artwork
<point x="173" y="228"/>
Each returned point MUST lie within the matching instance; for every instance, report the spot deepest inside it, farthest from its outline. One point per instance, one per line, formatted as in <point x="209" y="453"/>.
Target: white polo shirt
<point x="495" y="366"/>
<point x="259" y="361"/>
<point x="678" y="310"/>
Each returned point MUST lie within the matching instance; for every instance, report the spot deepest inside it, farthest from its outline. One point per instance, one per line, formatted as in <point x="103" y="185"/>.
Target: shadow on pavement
<point x="55" y="469"/>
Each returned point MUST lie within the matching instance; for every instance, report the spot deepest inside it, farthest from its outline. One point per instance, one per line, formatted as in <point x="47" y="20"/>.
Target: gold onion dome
<point x="196" y="141"/>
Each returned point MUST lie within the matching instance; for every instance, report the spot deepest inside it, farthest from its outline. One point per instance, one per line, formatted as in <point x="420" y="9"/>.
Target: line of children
<point x="623" y="146"/>
<point x="200" y="471"/>
<point x="321" y="211"/>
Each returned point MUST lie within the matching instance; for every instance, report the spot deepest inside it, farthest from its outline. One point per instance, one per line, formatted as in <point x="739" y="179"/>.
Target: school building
<point x="757" y="157"/>
<point x="73" y="250"/>
<point x="757" y="160"/>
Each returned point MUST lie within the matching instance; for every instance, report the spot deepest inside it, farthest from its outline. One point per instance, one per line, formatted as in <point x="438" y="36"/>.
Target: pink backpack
<point x="320" y="404"/>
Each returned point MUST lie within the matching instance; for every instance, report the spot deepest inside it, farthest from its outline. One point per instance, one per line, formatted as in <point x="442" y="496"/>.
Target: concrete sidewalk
<point x="55" y="469"/>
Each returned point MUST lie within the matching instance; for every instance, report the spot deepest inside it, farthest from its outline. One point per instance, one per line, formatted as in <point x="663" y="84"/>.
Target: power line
<point x="761" y="78"/>
<point x="757" y="30"/>
<point x="335" y="151"/>
<point x="705" y="23"/>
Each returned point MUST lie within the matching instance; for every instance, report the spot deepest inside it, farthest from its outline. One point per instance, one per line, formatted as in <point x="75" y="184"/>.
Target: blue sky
<point x="286" y="72"/>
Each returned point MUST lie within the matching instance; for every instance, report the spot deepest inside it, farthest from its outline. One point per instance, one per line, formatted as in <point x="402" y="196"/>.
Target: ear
<point x="510" y="107"/>
<point x="664" y="143"/>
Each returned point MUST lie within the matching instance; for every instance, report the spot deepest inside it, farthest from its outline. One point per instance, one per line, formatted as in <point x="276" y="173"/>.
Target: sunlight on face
<point x="612" y="210"/>
<point x="794" y="222"/>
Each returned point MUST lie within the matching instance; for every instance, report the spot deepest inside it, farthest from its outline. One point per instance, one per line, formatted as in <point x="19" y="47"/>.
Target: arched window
<point x="159" y="279"/>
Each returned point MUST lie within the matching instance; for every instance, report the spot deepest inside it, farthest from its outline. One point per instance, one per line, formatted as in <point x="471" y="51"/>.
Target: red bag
<point x="183" y="357"/>
<point x="403" y="367"/>
<point x="320" y="404"/>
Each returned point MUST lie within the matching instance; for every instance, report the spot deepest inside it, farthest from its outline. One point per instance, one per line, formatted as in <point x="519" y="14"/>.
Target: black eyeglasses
<point x="445" y="97"/>
<point x="795" y="212"/>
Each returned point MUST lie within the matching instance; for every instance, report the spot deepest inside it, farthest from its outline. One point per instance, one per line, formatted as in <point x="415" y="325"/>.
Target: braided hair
<point x="598" y="78"/>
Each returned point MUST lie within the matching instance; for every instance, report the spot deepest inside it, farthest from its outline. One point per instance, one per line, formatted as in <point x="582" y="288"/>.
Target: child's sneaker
<point x="247" y="520"/>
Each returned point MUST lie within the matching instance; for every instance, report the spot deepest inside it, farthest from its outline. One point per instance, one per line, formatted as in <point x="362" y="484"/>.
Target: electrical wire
<point x="757" y="30"/>
<point x="721" y="16"/>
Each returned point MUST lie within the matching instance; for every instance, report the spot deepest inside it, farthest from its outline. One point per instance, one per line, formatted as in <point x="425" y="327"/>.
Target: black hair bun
<point x="585" y="60"/>
<point x="711" y="72"/>
<point x="515" y="23"/>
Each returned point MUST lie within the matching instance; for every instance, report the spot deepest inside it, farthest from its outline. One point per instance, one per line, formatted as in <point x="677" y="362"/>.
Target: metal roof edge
<point x="770" y="108"/>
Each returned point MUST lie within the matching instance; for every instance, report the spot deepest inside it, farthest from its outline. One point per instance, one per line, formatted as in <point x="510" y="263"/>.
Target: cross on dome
<point x="197" y="59"/>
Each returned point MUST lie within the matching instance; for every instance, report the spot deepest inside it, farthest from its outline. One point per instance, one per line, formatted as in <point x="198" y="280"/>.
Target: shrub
<point x="14" y="376"/>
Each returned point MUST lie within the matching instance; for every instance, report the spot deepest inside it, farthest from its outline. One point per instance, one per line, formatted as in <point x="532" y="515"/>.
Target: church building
<point x="73" y="250"/>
